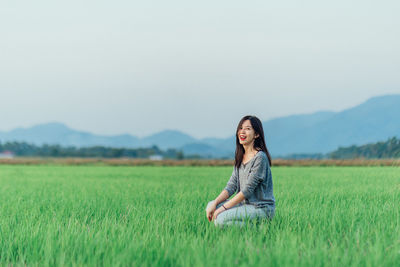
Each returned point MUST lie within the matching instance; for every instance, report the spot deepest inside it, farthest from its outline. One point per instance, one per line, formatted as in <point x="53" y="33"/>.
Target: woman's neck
<point x="249" y="149"/>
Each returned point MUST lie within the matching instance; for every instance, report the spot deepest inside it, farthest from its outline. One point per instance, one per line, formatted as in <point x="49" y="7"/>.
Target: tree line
<point x="23" y="149"/>
<point x="379" y="150"/>
<point x="387" y="149"/>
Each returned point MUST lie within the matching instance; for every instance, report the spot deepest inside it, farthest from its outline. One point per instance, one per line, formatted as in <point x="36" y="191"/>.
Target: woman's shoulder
<point x="261" y="154"/>
<point x="262" y="157"/>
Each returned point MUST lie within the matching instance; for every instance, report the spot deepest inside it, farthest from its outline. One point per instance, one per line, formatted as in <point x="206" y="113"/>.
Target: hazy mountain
<point x="224" y="146"/>
<point x="167" y="139"/>
<point x="373" y="120"/>
<point x="58" y="133"/>
<point x="202" y="149"/>
<point x="320" y="132"/>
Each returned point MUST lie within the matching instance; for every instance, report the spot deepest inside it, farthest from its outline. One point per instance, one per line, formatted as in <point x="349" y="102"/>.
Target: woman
<point x="251" y="179"/>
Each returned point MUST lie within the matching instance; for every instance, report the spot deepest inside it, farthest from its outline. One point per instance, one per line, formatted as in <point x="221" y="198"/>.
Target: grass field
<point x="149" y="216"/>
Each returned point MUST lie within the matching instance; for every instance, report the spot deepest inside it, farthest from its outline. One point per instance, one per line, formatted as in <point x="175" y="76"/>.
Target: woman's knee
<point x="224" y="218"/>
<point x="219" y="221"/>
<point x="241" y="215"/>
<point x="222" y="221"/>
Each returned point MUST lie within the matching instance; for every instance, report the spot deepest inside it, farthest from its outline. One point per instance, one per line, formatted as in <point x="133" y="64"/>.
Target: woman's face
<point x="246" y="133"/>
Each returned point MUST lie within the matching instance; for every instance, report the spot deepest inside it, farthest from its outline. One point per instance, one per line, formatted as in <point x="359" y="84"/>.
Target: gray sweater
<point x="254" y="180"/>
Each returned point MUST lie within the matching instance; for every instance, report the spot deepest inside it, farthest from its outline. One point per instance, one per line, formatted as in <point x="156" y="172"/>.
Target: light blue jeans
<point x="239" y="214"/>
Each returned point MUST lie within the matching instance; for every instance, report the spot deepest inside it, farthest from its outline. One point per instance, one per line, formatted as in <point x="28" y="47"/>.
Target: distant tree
<point x="388" y="149"/>
<point x="30" y="150"/>
<point x="179" y="155"/>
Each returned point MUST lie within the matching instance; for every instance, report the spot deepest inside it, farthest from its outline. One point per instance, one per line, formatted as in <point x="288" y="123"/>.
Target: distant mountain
<point x="320" y="132"/>
<point x="58" y="133"/>
<point x="279" y="131"/>
<point x="167" y="139"/>
<point x="201" y="149"/>
<point x="372" y="121"/>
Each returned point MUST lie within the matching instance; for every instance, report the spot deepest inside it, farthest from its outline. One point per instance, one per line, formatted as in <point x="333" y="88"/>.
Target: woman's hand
<point x="210" y="211"/>
<point x="218" y="211"/>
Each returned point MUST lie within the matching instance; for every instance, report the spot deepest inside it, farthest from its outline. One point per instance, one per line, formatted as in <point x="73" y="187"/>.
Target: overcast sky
<point x="139" y="67"/>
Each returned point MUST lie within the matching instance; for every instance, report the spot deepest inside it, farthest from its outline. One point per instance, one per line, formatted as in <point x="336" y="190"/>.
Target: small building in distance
<point x="6" y="154"/>
<point x="156" y="157"/>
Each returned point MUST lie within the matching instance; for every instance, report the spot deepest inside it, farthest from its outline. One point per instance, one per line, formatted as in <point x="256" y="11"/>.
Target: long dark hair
<point x="259" y="142"/>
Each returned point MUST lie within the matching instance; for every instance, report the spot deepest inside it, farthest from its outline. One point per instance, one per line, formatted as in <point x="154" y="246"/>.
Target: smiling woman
<point x="251" y="179"/>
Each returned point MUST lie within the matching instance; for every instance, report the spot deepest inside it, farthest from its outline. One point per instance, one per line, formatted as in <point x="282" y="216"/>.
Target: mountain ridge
<point x="320" y="132"/>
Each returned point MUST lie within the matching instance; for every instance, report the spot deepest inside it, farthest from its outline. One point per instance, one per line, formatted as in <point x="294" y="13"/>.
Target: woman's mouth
<point x="242" y="137"/>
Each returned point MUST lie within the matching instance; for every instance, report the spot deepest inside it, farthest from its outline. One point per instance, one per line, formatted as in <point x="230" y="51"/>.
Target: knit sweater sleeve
<point x="232" y="184"/>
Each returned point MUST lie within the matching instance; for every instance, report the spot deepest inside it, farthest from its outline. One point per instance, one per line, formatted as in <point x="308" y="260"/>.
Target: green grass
<point x="142" y="216"/>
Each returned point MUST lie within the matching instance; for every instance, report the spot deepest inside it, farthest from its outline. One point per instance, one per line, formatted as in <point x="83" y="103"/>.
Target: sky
<point x="140" y="67"/>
